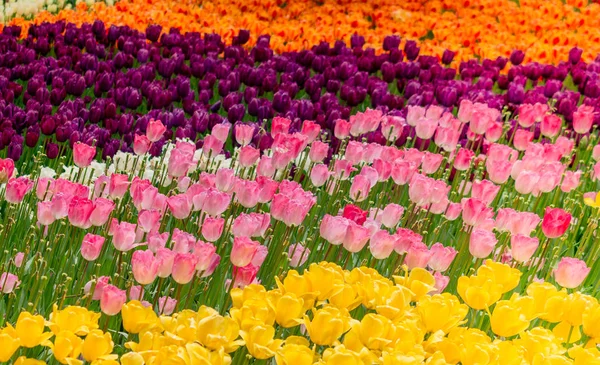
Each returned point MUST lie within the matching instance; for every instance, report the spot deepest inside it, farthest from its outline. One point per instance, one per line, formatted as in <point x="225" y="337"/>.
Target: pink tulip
<point x="403" y="172"/>
<point x="247" y="192"/>
<point x="446" y="138"/>
<point x="341" y="129"/>
<point x="212" y="146"/>
<point x="570" y="181"/>
<point x="112" y="300"/>
<point x="212" y="228"/>
<point x="342" y="169"/>
<point x="570" y="272"/>
<point x="391" y="214"/>
<point x="166" y="305"/>
<point x="100" y="283"/>
<point x="102" y="210"/>
<point x="8" y="282"/>
<point x="144" y="266"/>
<point x="311" y="130"/>
<point x="165" y="259"/>
<point x="551" y="125"/>
<point x="260" y="255"/>
<point x="484" y="190"/>
<point x="91" y="246"/>
<point x="431" y="162"/>
<point x="359" y="190"/>
<point x="482" y="243"/>
<point x="141" y="144"/>
<point x="225" y="179"/>
<point x="179" y="163"/>
<point x="356" y="237"/>
<point x="453" y="211"/>
<point x="526" y="182"/>
<point x="60" y="205"/>
<point x="499" y="171"/>
<point x="354" y="152"/>
<point x="414" y="114"/>
<point x="583" y="119"/>
<point x="319" y="175"/>
<point x="392" y="127"/>
<point x="420" y="189"/>
<point x="242" y="251"/>
<point x="333" y="229"/>
<point x="18" y="260"/>
<point x="183" y="242"/>
<point x="44" y="188"/>
<point x="596" y="153"/>
<point x="249" y="156"/>
<point x="530" y="114"/>
<point x="157" y="240"/>
<point x="83" y="154"/>
<point x="17" y="188"/>
<point x="523" y="247"/>
<point x="221" y="131"/>
<point x="267" y="188"/>
<point x="7" y="169"/>
<point x="383" y="168"/>
<point x="405" y="238"/>
<point x="136" y="292"/>
<point x="101" y="187"/>
<point x="184" y="267"/>
<point x="522" y="139"/>
<point x="441" y="282"/>
<point x="119" y="183"/>
<point x="318" y="151"/>
<point x="280" y="125"/>
<point x="425" y="128"/>
<point x="494" y="131"/>
<point x="418" y="255"/>
<point x="123" y="235"/>
<point x="204" y="252"/>
<point x="523" y="223"/>
<point x="243" y="276"/>
<point x="244" y="134"/>
<point x="298" y="254"/>
<point x="155" y="130"/>
<point x="215" y="202"/>
<point x="382" y="244"/>
<point x="556" y="222"/>
<point x="180" y="206"/>
<point x="596" y="172"/>
<point x="45" y="214"/>
<point x="441" y="257"/>
<point x="265" y="167"/>
<point x="250" y="225"/>
<point x="148" y="220"/>
<point x="80" y="210"/>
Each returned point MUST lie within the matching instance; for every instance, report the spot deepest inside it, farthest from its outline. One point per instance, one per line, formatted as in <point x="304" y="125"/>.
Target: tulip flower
<point x="112" y="299"/>
<point x="17" y="188"/>
<point x="91" y="246"/>
<point x="570" y="272"/>
<point x="556" y="222"/>
<point x="482" y="243"/>
<point x="83" y="154"/>
<point x="155" y="130"/>
<point x="144" y="266"/>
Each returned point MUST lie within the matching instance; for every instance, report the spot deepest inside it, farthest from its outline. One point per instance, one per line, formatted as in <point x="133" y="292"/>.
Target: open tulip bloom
<point x="180" y="197"/>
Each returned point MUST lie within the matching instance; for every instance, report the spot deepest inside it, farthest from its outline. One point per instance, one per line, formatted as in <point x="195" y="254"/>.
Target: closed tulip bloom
<point x="212" y="228"/>
<point x="551" y="125"/>
<point x="184" y="267"/>
<point x="463" y="159"/>
<point x="180" y="206"/>
<point x="359" y="190"/>
<point x="333" y="229"/>
<point x="7" y="169"/>
<point x="80" y="210"/>
<point x="482" y="243"/>
<point x="123" y="235"/>
<point x="414" y="114"/>
<point x="356" y="237"/>
<point x="91" y="246"/>
<point x="97" y="344"/>
<point x="141" y="144"/>
<point x="165" y="258"/>
<point x="144" y="266"/>
<point x="148" y="220"/>
<point x="119" y="183"/>
<point x="431" y="162"/>
<point x="166" y="305"/>
<point x="99" y="285"/>
<point x="318" y="151"/>
<point x="212" y="146"/>
<point x="570" y="181"/>
<point x="523" y="247"/>
<point x="341" y="129"/>
<point x="327" y="325"/>
<point x="382" y="244"/>
<point x="475" y="212"/>
<point x="391" y="214"/>
<point x="298" y="254"/>
<point x="418" y="255"/>
<point x="522" y="139"/>
<point x="319" y="175"/>
<point x="244" y="134"/>
<point x="102" y="210"/>
<point x="242" y="251"/>
<point x="45" y="214"/>
<point x="526" y="182"/>
<point x="570" y="272"/>
<point x="83" y="154"/>
<point x="225" y="180"/>
<point x="112" y="300"/>
<point x="17" y="188"/>
<point x="221" y="131"/>
<point x="484" y="190"/>
<point x="583" y="119"/>
<point x="453" y="211"/>
<point x="155" y="130"/>
<point x="499" y="171"/>
<point x="425" y="128"/>
<point x="420" y="189"/>
<point x="8" y="282"/>
<point x="18" y="259"/>
<point x="441" y="257"/>
<point x="157" y="240"/>
<point x="556" y="222"/>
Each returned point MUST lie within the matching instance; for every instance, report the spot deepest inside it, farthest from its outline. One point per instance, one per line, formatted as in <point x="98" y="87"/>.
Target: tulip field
<point x="291" y="183"/>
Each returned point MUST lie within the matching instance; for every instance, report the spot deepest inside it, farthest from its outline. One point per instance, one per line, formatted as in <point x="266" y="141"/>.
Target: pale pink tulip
<point x="180" y="206"/>
<point x="144" y="266"/>
<point x="341" y="129"/>
<point x="250" y="225"/>
<point x="482" y="243"/>
<point x="405" y="238"/>
<point x="522" y="139"/>
<point x="243" y="250"/>
<point x="17" y="188"/>
<point x="155" y="130"/>
<point x="570" y="272"/>
<point x="123" y="235"/>
<point x="165" y="259"/>
<point x="166" y="305"/>
<point x="359" y="190"/>
<point x="441" y="257"/>
<point x="141" y="144"/>
<point x="311" y="130"/>
<point x="102" y="210"/>
<point x="149" y="220"/>
<point x="184" y="267"/>
<point x="318" y="151"/>
<point x="298" y="254"/>
<point x="45" y="214"/>
<point x="8" y="282"/>
<point x="157" y="240"/>
<point x="83" y="154"/>
<point x="244" y="134"/>
<point x="485" y="191"/>
<point x="523" y="247"/>
<point x="441" y="282"/>
<point x="91" y="246"/>
<point x="98" y="285"/>
<point x="431" y="163"/>
<point x="112" y="300"/>
<point x="319" y="175"/>
<point x="18" y="260"/>
<point x="212" y="228"/>
<point x="391" y="214"/>
<point x="418" y="255"/>
<point x="382" y="244"/>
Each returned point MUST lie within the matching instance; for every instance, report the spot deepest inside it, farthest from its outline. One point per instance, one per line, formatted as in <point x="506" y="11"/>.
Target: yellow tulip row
<point x="328" y="315"/>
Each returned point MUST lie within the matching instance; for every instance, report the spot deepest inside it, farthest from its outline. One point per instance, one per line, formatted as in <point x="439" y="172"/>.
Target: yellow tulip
<point x="501" y="274"/>
<point x="289" y="309"/>
<point x="299" y="285"/>
<point x="549" y="302"/>
<point x="96" y="344"/>
<point x="252" y="291"/>
<point x="395" y="302"/>
<point x="565" y="332"/>
<point x="538" y="341"/>
<point x="509" y="353"/>
<point x="543" y="359"/>
<point x="25" y="361"/>
<point x="322" y="280"/>
<point x="202" y="356"/>
<point x="137" y="318"/>
<point x="9" y="343"/>
<point x="441" y="312"/>
<point x="399" y="358"/>
<point x="260" y="343"/>
<point x="132" y="358"/>
<point x="591" y="321"/>
<point x="582" y="356"/>
<point x="419" y="281"/>
<point x="327" y="325"/>
<point x="217" y="332"/>
<point x="576" y="305"/>
<point x="30" y="330"/>
<point x="293" y="354"/>
<point x="478" y="292"/>
<point x="345" y="296"/>
<point x="508" y="319"/>
<point x="341" y="356"/>
<point x="108" y="361"/>
<point x="375" y="332"/>
<point x="66" y="347"/>
<point x="75" y="319"/>
<point x="254" y="312"/>
<point x="148" y="341"/>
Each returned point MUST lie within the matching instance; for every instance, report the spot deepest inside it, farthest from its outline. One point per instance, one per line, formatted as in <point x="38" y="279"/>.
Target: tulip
<point x="141" y="144"/>
<point x="91" y="246"/>
<point x="101" y="212"/>
<point x="355" y="214"/>
<point x="391" y="214"/>
<point x="242" y="251"/>
<point x="83" y="154"/>
<point x="18" y="259"/>
<point x="8" y="282"/>
<point x="212" y="228"/>
<point x="112" y="299"/>
<point x="155" y="130"/>
<point x="551" y="125"/>
<point x="166" y="305"/>
<point x="184" y="267"/>
<point x="556" y="222"/>
<point x="249" y="156"/>
<point x="123" y="235"/>
<point x="359" y="190"/>
<point x="583" y="119"/>
<point x="165" y="259"/>
<point x="482" y="243"/>
<point x="17" y="188"/>
<point x="119" y="183"/>
<point x="45" y="215"/>
<point x="244" y="134"/>
<point x="298" y="255"/>
<point x="80" y="211"/>
<point x="570" y="272"/>
<point x="180" y="206"/>
<point x="221" y="132"/>
<point x="148" y="220"/>
<point x="341" y="129"/>
<point x="7" y="169"/>
<point x="319" y="175"/>
<point x="485" y="191"/>
<point x="475" y="212"/>
<point x="441" y="257"/>
<point x="144" y="266"/>
<point x="98" y="344"/>
<point x="382" y="244"/>
<point x="523" y="247"/>
<point x="318" y="151"/>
